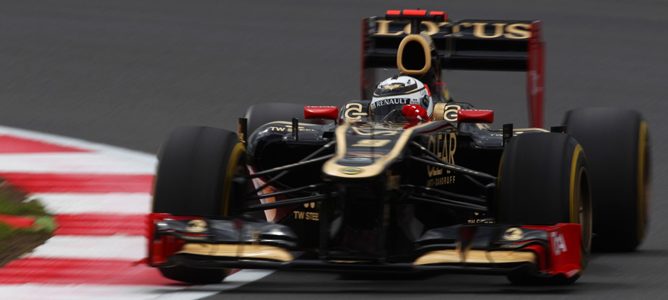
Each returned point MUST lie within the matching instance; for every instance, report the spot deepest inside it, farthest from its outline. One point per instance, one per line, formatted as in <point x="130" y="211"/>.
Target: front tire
<point x="195" y="177"/>
<point x="617" y="145"/>
<point x="543" y="180"/>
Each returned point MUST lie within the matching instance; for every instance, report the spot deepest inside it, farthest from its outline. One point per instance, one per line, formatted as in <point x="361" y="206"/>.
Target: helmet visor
<point x="388" y="113"/>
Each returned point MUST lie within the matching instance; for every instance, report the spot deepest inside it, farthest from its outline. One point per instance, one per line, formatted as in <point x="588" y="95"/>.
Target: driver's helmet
<point x="393" y="93"/>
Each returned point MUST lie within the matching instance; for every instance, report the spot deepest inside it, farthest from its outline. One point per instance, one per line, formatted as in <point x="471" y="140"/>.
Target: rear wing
<point x="472" y="44"/>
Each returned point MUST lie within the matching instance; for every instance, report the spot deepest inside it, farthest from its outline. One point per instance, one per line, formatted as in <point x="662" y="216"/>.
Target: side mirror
<point x="321" y="112"/>
<point x="475" y="116"/>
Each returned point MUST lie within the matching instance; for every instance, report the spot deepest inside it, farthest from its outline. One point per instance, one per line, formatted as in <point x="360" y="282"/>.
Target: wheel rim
<point x="584" y="206"/>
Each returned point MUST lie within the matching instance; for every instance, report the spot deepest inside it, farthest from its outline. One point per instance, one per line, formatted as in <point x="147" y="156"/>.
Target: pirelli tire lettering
<point x="444" y="146"/>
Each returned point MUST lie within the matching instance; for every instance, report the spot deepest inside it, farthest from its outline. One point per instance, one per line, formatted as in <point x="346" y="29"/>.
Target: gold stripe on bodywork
<point x="332" y="168"/>
<point x="426" y="50"/>
<point x="239" y="251"/>
<point x="439" y="111"/>
<point x="530" y="129"/>
<point x="475" y="256"/>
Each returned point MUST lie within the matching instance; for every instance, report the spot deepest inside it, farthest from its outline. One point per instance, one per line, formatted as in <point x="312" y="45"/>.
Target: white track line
<point x="98" y="292"/>
<point x="233" y="281"/>
<point x="131" y="248"/>
<point x="73" y="163"/>
<point x="66" y="141"/>
<point x="127" y="292"/>
<point x="110" y="203"/>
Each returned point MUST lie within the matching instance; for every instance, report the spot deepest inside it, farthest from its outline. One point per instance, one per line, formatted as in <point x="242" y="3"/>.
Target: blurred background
<point x="125" y="72"/>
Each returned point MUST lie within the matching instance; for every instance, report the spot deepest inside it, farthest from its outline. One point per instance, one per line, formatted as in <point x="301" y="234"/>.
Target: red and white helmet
<point x="395" y="92"/>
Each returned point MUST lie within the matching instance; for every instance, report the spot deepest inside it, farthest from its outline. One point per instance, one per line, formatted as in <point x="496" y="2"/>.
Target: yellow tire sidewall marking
<point x="232" y="164"/>
<point x="574" y="207"/>
<point x="642" y="196"/>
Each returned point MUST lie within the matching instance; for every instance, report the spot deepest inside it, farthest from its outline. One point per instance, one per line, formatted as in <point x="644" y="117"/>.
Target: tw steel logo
<point x="483" y="30"/>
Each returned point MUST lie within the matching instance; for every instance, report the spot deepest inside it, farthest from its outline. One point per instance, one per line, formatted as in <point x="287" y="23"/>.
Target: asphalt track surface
<point x="125" y="72"/>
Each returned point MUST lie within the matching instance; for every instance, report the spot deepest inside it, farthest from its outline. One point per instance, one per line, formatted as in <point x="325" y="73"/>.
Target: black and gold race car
<point x="327" y="188"/>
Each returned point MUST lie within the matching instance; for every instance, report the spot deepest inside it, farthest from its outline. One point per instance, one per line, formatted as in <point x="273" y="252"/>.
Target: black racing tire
<point x="543" y="180"/>
<point x="195" y="178"/>
<point x="263" y="113"/>
<point x="618" y="151"/>
<point x="194" y="275"/>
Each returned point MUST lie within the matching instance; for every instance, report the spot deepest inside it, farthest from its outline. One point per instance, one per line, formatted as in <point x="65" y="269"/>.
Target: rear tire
<point x="617" y="146"/>
<point x="543" y="180"/>
<point x="195" y="178"/>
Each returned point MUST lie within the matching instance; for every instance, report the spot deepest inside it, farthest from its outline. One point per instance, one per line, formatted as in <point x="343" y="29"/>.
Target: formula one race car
<point x="338" y="189"/>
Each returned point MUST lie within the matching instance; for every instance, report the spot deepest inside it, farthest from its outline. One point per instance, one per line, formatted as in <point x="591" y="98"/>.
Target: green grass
<point x="5" y="231"/>
<point x="12" y="202"/>
<point x="45" y="223"/>
<point x="14" y="242"/>
<point x="29" y="208"/>
<point x="42" y="225"/>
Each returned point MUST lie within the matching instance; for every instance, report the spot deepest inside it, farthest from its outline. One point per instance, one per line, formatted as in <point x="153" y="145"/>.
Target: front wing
<point x="478" y="248"/>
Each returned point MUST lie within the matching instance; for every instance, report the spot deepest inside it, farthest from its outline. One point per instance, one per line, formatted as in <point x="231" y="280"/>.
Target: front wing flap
<point x="480" y="248"/>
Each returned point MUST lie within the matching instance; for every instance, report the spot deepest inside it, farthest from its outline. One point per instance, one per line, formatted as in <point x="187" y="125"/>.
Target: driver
<point x="401" y="99"/>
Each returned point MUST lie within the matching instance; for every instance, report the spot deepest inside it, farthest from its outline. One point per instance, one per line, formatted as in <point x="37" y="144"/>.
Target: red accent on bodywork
<point x="161" y="248"/>
<point x="475" y="116"/>
<point x="414" y="12"/>
<point x="564" y="253"/>
<point x="438" y="13"/>
<point x="540" y="252"/>
<point x="536" y="76"/>
<point x="321" y="112"/>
